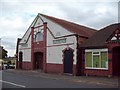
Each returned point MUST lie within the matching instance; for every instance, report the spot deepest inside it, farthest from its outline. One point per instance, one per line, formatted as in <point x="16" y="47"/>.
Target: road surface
<point x="17" y="80"/>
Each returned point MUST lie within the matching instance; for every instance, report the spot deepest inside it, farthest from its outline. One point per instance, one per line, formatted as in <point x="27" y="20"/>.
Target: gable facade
<point x="48" y="46"/>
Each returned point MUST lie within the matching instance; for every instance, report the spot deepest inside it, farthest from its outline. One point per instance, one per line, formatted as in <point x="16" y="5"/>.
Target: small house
<point x="101" y="52"/>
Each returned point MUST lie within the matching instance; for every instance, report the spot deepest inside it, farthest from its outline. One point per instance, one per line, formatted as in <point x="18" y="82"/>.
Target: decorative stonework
<point x="116" y="35"/>
<point x="68" y="48"/>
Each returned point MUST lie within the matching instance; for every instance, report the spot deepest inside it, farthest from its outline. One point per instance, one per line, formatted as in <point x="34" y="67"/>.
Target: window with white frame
<point x="96" y="59"/>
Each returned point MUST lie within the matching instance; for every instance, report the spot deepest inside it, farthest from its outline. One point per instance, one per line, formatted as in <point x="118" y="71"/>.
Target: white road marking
<point x="13" y="84"/>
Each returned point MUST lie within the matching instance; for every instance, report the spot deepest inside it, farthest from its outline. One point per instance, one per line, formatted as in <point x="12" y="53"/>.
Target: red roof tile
<point x="72" y="27"/>
<point x="100" y="38"/>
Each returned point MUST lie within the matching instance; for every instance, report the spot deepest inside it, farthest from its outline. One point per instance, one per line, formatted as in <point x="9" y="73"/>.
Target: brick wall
<point x="96" y="72"/>
<point x="27" y="65"/>
<point x="54" y="68"/>
<point x="58" y="68"/>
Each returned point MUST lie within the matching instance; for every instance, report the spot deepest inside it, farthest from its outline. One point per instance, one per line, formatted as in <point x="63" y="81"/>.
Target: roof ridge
<point x="109" y="25"/>
<point x="71" y="26"/>
<point x="67" y="21"/>
<point x="99" y="38"/>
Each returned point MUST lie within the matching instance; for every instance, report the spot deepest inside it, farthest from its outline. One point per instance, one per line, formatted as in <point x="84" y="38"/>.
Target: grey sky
<point x="17" y="15"/>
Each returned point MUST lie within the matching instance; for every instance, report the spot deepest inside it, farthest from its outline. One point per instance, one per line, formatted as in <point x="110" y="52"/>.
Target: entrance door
<point x="116" y="61"/>
<point x="39" y="60"/>
<point x="20" y="60"/>
<point x="68" y="61"/>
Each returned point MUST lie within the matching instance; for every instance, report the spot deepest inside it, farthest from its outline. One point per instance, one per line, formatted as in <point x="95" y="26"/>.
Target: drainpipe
<point x="45" y="48"/>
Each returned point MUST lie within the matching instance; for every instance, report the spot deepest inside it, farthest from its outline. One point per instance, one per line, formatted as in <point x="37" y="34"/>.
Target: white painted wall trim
<point x="96" y="50"/>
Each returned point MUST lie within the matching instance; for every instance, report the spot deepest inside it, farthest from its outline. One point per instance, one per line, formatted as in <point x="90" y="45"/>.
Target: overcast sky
<point x="17" y="15"/>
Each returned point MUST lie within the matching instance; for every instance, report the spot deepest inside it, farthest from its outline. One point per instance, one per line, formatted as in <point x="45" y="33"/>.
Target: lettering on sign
<point x="59" y="41"/>
<point x="24" y="45"/>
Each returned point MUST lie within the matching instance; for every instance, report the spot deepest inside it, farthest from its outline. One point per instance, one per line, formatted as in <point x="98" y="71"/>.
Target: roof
<point x="72" y="27"/>
<point x="100" y="38"/>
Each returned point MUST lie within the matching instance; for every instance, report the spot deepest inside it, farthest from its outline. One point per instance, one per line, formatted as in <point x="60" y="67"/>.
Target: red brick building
<point x="101" y="52"/>
<point x="52" y="45"/>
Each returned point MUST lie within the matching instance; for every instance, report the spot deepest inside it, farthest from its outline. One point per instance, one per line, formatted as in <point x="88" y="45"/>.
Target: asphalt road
<point x="15" y="80"/>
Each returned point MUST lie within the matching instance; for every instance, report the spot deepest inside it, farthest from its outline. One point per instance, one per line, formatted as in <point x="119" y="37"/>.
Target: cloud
<point x="13" y="25"/>
<point x="92" y="14"/>
<point x="17" y="15"/>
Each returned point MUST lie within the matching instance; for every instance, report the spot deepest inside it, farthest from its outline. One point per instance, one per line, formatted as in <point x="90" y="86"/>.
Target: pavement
<point x="111" y="81"/>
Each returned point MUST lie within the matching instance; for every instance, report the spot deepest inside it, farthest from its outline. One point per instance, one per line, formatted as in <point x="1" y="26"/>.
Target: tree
<point x="3" y="52"/>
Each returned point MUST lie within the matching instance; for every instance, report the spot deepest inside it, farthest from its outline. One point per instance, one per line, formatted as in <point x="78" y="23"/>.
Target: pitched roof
<point x="72" y="27"/>
<point x="100" y="38"/>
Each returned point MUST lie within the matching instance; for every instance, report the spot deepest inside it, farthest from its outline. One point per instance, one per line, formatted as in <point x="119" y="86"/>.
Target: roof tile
<point x="72" y="27"/>
<point x="100" y="38"/>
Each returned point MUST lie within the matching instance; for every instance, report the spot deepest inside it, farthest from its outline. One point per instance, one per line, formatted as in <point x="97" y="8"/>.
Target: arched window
<point x="38" y="37"/>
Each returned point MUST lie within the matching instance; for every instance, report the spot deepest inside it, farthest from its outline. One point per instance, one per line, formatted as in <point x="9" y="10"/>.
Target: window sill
<point x="96" y="68"/>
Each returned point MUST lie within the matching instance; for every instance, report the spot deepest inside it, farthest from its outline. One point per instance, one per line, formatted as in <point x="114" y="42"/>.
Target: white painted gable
<point x="26" y="35"/>
<point x="116" y="35"/>
<point x="55" y="28"/>
<point x="37" y="22"/>
<point x="114" y="38"/>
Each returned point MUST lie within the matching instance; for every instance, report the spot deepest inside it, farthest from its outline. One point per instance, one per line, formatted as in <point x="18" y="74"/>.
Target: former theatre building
<point x="54" y="45"/>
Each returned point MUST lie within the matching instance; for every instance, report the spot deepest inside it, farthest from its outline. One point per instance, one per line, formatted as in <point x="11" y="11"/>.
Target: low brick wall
<point x="26" y="65"/>
<point x="96" y="72"/>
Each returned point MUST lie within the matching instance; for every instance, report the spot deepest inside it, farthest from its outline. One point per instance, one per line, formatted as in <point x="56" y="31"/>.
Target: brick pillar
<point x="110" y="60"/>
<point x="83" y="62"/>
<point x="45" y="48"/>
<point x="74" y="69"/>
<point x="111" y="45"/>
<point x="32" y="47"/>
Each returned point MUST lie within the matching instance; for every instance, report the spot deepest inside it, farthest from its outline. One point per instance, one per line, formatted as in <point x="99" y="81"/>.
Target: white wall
<point x="26" y="48"/>
<point x="38" y="22"/>
<point x="55" y="28"/>
<point x="27" y="55"/>
<point x="54" y="53"/>
<point x="26" y="51"/>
